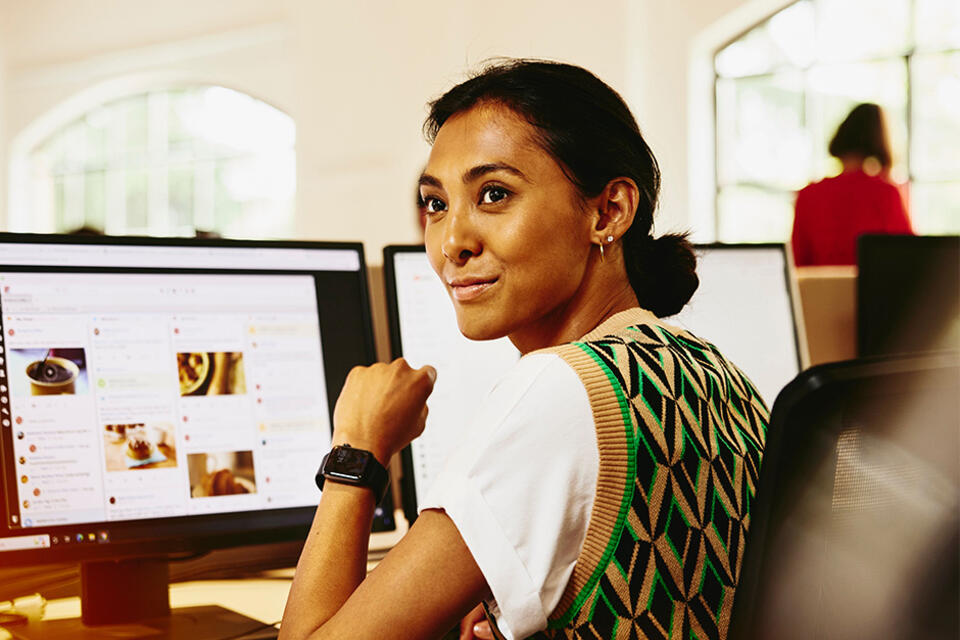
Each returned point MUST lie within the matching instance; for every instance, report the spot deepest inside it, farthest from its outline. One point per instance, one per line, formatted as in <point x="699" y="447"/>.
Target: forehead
<point x="487" y="134"/>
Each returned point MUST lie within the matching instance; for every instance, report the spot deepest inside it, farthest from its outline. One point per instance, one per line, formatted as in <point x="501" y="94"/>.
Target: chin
<point x="475" y="328"/>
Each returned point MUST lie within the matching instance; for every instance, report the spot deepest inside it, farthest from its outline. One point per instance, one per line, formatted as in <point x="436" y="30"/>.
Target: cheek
<point x="432" y="240"/>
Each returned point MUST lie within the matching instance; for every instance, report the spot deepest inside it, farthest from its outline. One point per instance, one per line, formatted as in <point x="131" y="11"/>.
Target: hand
<point x="383" y="407"/>
<point x="475" y="626"/>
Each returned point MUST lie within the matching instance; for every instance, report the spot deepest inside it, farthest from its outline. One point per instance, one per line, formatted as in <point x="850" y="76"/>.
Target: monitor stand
<point x="130" y="599"/>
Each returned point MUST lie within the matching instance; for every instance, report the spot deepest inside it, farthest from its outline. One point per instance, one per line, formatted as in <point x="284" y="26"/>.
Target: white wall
<point x="356" y="77"/>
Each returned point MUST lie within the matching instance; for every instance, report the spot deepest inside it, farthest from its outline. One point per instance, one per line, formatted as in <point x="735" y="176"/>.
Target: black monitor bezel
<point x="183" y="534"/>
<point x="875" y="298"/>
<point x="408" y="487"/>
<point x="408" y="483"/>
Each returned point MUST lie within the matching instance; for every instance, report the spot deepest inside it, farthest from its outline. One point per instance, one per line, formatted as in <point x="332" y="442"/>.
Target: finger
<point x="483" y="631"/>
<point x="422" y="421"/>
<point x="431" y="373"/>
<point x="466" y="624"/>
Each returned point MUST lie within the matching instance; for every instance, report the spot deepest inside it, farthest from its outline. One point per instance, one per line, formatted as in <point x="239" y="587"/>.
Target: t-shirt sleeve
<point x="520" y="488"/>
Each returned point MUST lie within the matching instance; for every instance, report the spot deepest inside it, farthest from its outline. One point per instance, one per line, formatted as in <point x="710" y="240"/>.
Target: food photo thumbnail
<point x="149" y="445"/>
<point x="211" y="373"/>
<point x="47" y="372"/>
<point x="221" y="474"/>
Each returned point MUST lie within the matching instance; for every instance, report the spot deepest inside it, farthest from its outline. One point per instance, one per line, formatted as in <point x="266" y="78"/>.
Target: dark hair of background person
<point x="587" y="127"/>
<point x="863" y="133"/>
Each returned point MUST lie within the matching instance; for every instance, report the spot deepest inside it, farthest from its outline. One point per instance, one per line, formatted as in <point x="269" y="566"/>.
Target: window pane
<point x="95" y="196"/>
<point x="862" y="29"/>
<point x="249" y="187"/>
<point x="136" y="201"/>
<point x="836" y="88"/>
<point x="747" y="214"/>
<point x="59" y="203"/>
<point x="936" y="117"/>
<point x="180" y="138"/>
<point x="937" y="24"/>
<point x="134" y="117"/>
<point x="221" y="119"/>
<point x="935" y="208"/>
<point x="146" y="164"/>
<point x="760" y="131"/>
<point x="180" y="198"/>
<point x="95" y="128"/>
<point x="785" y="39"/>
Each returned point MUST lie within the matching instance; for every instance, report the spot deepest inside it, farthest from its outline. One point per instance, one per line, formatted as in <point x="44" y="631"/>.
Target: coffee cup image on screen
<point x="211" y="373"/>
<point x="224" y="473"/>
<point x="139" y="446"/>
<point x="47" y="372"/>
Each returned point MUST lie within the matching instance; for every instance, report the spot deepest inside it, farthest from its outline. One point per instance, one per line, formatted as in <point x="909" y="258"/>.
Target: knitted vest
<point x="680" y="432"/>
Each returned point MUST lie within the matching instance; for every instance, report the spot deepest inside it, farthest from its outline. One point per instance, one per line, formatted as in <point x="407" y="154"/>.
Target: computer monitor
<point x="743" y="306"/>
<point x="908" y="294"/>
<point x="423" y="329"/>
<point x="167" y="396"/>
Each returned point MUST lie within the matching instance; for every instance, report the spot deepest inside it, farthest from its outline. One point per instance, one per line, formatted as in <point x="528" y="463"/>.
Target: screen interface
<point x="466" y="369"/>
<point x="135" y="395"/>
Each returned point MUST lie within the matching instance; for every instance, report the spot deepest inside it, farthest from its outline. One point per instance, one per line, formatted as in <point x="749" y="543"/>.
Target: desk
<point x="261" y="598"/>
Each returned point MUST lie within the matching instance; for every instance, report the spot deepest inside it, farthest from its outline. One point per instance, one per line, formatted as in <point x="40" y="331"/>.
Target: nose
<point x="460" y="240"/>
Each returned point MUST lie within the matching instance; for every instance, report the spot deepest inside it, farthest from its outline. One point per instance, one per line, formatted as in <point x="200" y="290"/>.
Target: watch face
<point x="347" y="462"/>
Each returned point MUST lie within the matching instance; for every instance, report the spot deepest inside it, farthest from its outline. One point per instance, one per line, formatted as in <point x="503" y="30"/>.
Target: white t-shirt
<point x="520" y="488"/>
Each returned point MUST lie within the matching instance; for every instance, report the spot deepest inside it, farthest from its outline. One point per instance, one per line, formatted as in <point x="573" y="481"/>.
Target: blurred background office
<point x="301" y="119"/>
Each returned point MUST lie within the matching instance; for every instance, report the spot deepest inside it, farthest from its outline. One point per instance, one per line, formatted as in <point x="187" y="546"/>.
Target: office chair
<point x="854" y="533"/>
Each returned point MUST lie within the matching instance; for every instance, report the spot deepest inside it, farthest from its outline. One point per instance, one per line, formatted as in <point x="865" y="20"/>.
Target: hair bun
<point x="663" y="272"/>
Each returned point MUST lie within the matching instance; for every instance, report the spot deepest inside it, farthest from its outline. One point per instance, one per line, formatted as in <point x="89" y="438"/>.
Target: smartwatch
<point x="354" y="466"/>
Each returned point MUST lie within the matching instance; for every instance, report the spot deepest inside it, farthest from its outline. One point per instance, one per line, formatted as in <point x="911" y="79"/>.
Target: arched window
<point x="784" y="86"/>
<point x="165" y="162"/>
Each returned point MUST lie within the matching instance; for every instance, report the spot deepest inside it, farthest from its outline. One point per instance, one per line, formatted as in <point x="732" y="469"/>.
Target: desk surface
<point x="261" y="598"/>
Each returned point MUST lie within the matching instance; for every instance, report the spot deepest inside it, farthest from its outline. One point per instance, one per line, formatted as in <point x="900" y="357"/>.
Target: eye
<point x="493" y="194"/>
<point x="432" y="205"/>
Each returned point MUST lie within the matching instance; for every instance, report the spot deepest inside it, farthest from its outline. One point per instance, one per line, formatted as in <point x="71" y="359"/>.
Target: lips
<point x="464" y="289"/>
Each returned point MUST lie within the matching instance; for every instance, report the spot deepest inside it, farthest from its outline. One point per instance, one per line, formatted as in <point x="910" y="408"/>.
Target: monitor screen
<point x="743" y="307"/>
<point x="908" y="294"/>
<point x="423" y="330"/>
<point x="163" y="396"/>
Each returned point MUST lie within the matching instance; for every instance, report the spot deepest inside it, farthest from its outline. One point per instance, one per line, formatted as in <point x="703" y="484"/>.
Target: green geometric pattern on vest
<point x="698" y="428"/>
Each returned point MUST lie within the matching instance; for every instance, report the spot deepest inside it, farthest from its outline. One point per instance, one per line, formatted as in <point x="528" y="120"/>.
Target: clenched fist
<point x="383" y="407"/>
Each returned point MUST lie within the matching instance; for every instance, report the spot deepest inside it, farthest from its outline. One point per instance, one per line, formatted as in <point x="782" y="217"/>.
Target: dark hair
<point x="863" y="133"/>
<point x="588" y="128"/>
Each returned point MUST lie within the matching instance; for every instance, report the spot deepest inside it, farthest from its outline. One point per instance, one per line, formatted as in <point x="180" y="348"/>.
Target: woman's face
<point x="506" y="229"/>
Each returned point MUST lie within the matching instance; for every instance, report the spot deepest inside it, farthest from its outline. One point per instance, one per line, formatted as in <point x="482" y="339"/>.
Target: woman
<point x="832" y="213"/>
<point x="605" y="481"/>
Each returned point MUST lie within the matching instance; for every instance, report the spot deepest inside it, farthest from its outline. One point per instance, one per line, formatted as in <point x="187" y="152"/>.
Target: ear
<point x="614" y="210"/>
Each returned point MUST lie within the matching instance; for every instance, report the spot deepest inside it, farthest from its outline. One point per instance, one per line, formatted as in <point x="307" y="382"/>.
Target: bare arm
<point x="428" y="581"/>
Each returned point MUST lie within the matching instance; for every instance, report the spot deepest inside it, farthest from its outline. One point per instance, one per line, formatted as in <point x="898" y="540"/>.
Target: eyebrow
<point x="474" y="173"/>
<point x="483" y="169"/>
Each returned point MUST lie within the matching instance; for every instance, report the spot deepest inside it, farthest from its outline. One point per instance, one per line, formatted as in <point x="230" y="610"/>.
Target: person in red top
<point x="832" y="213"/>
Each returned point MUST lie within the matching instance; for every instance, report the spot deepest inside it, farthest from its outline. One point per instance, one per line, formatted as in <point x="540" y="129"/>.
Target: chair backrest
<point x="854" y="533"/>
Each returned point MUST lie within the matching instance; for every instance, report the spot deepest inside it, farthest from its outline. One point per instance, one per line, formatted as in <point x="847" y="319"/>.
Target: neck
<point x="852" y="163"/>
<point x="604" y="291"/>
